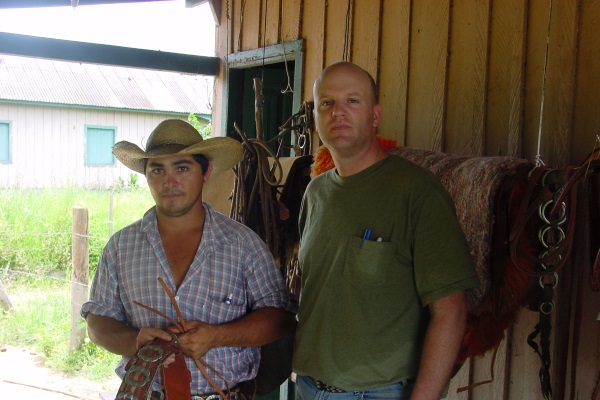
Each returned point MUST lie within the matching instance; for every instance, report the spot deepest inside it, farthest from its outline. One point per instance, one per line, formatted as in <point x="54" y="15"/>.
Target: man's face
<point x="346" y="112"/>
<point x="175" y="184"/>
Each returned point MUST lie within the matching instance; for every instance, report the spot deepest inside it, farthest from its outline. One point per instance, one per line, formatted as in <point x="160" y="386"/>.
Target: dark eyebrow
<point x="158" y="164"/>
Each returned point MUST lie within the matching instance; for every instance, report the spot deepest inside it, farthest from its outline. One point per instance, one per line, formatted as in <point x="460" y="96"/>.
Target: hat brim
<point x="223" y="152"/>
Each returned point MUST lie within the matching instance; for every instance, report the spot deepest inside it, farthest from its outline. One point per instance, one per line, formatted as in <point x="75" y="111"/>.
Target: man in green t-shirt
<point x="384" y="261"/>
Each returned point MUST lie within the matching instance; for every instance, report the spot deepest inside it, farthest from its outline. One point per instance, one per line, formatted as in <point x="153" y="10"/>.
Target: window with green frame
<point x="99" y="141"/>
<point x="5" y="153"/>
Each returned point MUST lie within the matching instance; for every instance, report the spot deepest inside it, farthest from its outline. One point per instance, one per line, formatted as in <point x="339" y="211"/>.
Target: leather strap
<point x="142" y="368"/>
<point x="177" y="379"/>
<point x="200" y="363"/>
<point x="543" y="329"/>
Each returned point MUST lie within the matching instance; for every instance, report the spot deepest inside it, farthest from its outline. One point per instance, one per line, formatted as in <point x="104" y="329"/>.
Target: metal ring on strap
<point x="542" y="212"/>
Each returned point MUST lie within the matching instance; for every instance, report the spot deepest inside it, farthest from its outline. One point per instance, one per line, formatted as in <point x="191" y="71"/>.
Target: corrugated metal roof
<point x="78" y="84"/>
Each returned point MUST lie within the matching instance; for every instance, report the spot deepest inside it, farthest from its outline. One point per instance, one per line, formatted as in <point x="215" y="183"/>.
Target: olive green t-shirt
<point x="362" y="316"/>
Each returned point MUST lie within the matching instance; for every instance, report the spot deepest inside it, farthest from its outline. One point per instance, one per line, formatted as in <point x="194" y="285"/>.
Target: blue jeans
<point x="306" y="390"/>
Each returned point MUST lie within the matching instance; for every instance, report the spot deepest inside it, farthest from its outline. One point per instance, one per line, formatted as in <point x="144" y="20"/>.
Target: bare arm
<point x="442" y="344"/>
<point x="255" y="329"/>
<point x="119" y="338"/>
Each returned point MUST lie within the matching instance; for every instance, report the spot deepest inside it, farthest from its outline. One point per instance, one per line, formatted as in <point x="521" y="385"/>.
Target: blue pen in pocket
<point x="366" y="236"/>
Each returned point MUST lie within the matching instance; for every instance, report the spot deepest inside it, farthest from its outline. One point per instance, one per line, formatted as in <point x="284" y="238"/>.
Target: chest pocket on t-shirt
<point x="372" y="264"/>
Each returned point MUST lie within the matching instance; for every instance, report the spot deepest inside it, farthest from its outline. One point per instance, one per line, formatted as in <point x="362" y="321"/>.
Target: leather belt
<point x="323" y="386"/>
<point x="159" y="395"/>
<point x="320" y="385"/>
<point x="233" y="394"/>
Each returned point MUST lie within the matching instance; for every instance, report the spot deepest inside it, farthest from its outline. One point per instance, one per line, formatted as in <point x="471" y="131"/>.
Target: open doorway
<point x="279" y="68"/>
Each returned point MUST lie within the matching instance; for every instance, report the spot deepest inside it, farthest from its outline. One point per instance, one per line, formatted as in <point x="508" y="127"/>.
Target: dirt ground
<point x="23" y="376"/>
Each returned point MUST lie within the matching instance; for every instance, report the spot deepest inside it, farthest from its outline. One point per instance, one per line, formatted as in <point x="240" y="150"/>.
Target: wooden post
<point x="4" y="299"/>
<point x="111" y="214"/>
<point x="79" y="276"/>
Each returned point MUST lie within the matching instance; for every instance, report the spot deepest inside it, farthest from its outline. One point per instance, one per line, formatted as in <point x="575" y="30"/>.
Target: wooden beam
<point x="33" y="46"/>
<point x="215" y="7"/>
<point x="63" y="3"/>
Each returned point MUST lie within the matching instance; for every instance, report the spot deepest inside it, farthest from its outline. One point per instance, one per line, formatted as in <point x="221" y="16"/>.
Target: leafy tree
<point x="205" y="131"/>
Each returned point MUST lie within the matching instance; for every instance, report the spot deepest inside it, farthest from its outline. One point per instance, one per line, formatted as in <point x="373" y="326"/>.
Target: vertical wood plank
<point x="291" y="15"/>
<point x="366" y="28"/>
<point x="313" y="31"/>
<point x="461" y="379"/>
<point x="587" y="124"/>
<point x="223" y="47"/>
<point x="467" y="77"/>
<point x="559" y="91"/>
<point x="393" y="69"/>
<point x="427" y="74"/>
<point x="271" y="13"/>
<point x="524" y="363"/>
<point x="494" y="390"/>
<point x="335" y="35"/>
<point x="505" y="86"/>
<point x="588" y="342"/>
<point x="537" y="32"/>
<point x="237" y="23"/>
<point x="251" y="24"/>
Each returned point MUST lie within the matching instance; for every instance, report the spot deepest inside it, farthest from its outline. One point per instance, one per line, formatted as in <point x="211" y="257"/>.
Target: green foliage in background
<point x="205" y="131"/>
<point x="40" y="319"/>
<point x="35" y="267"/>
<point x="36" y="224"/>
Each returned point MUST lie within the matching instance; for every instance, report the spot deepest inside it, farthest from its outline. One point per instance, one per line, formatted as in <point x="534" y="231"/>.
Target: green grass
<point x="40" y="320"/>
<point x="35" y="258"/>
<point x="36" y="224"/>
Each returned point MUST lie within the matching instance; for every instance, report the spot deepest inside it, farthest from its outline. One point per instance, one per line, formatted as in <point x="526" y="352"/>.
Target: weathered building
<point x="59" y="120"/>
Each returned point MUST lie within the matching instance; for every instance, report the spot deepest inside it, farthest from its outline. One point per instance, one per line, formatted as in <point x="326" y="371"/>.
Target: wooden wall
<point x="473" y="77"/>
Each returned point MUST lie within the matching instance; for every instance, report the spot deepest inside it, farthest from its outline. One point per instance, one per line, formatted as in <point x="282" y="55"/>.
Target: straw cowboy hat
<point x="175" y="137"/>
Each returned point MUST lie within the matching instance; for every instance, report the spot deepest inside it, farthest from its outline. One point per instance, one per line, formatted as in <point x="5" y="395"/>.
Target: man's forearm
<point x="255" y="329"/>
<point x="441" y="347"/>
<point x="112" y="335"/>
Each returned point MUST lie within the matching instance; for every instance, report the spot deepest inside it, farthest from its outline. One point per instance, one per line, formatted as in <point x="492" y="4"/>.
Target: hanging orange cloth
<point x="324" y="162"/>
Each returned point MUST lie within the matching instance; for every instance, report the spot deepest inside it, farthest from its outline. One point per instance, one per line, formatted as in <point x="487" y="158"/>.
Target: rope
<point x="346" y="53"/>
<point x="261" y="182"/>
<point x="288" y="88"/>
<point x="538" y="157"/>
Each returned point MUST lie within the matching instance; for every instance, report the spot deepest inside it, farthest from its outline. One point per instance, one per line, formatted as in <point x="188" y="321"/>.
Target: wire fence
<point x="79" y="280"/>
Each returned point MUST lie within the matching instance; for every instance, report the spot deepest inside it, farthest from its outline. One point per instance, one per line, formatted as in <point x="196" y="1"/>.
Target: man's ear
<point x="208" y="171"/>
<point x="376" y="115"/>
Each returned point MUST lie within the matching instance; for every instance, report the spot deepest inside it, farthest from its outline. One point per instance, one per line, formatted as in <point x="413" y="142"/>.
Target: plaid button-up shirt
<point x="232" y="274"/>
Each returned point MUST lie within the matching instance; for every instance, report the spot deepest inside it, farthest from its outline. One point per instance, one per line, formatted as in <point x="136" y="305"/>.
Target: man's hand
<point x="146" y="335"/>
<point x="198" y="339"/>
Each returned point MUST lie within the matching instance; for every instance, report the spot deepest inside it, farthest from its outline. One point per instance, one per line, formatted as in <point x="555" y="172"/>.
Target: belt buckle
<point x="209" y="397"/>
<point x="152" y="395"/>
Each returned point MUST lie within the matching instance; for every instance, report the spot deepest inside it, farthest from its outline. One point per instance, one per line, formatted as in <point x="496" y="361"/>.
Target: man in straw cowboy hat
<point x="225" y="281"/>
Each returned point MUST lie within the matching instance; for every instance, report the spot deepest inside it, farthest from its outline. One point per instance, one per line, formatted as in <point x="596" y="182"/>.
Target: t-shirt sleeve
<point x="442" y="257"/>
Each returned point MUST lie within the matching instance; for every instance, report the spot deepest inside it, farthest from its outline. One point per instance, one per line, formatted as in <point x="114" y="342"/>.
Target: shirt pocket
<point x="372" y="264"/>
<point x="227" y="305"/>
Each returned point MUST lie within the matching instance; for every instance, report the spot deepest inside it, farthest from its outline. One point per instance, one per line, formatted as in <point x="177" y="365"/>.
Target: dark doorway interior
<point x="277" y="105"/>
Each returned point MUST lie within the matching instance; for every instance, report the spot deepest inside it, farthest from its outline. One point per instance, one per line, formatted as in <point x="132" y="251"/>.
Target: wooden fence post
<point x="5" y="303"/>
<point x="79" y="276"/>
